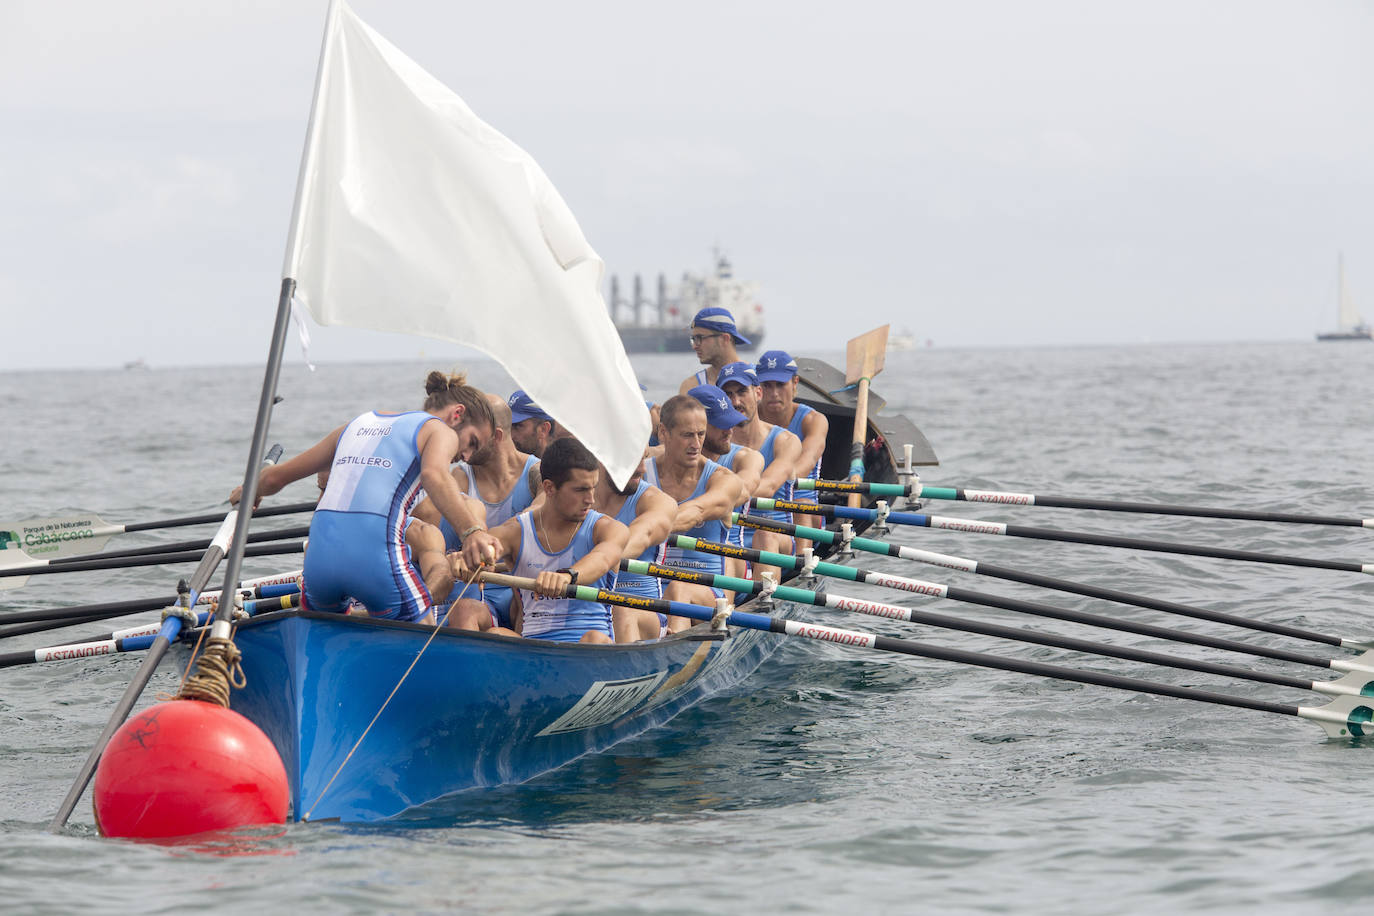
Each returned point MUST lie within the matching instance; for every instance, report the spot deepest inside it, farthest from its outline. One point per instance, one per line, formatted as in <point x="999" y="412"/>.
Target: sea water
<point x="834" y="779"/>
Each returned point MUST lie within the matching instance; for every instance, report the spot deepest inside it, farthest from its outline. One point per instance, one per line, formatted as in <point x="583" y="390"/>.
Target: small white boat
<point x="1349" y="324"/>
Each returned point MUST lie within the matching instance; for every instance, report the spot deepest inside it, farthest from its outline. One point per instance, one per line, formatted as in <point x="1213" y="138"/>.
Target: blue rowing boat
<point x="479" y="709"/>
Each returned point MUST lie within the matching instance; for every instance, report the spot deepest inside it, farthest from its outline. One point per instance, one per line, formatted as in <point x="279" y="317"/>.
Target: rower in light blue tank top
<point x="710" y="530"/>
<point x="558" y="619"/>
<point x="784" y="492"/>
<point x="734" y="534"/>
<point x="496" y="597"/>
<point x="795" y="428"/>
<point x="373" y="484"/>
<point x="630" y="583"/>
<point x="516" y="501"/>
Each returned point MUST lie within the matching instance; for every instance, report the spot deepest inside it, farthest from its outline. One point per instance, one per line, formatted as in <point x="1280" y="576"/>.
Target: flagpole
<point x="249" y="496"/>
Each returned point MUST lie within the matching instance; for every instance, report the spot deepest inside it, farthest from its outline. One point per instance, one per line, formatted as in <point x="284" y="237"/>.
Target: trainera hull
<point x="476" y="710"/>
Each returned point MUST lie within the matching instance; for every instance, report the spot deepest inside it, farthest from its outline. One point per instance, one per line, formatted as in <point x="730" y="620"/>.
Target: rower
<point x="705" y="493"/>
<point x="563" y="541"/>
<point x="713" y="337"/>
<point x="378" y="462"/>
<point x="504" y="480"/>
<point x="780" y="451"/>
<point x="747" y="463"/>
<point x="777" y="375"/>
<point x="721" y="421"/>
<point x="648" y="514"/>
<point x="427" y="553"/>
<point x="531" y="428"/>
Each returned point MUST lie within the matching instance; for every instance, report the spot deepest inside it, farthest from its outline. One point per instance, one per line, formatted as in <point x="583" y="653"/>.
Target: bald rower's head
<point x="499" y="442"/>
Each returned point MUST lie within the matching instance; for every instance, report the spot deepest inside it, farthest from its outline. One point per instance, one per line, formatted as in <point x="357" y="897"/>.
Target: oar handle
<point x="496" y="578"/>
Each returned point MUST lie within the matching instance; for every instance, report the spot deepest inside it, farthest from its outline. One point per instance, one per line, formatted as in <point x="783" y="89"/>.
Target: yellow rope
<point x="349" y="756"/>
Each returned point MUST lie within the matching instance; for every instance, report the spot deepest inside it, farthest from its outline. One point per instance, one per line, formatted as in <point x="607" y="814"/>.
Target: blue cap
<point x="739" y="373"/>
<point x="522" y="407"/>
<point x="776" y="366"/>
<point x="719" y="319"/>
<point x="720" y="413"/>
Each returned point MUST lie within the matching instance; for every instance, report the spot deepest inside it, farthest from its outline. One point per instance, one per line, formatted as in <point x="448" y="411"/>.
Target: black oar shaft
<point x="1063" y="585"/>
<point x="1193" y="550"/>
<point x="977" y="526"/>
<point x="262" y="512"/>
<point x="157" y="559"/>
<point x="257" y="537"/>
<point x="1070" y="502"/>
<point x="41" y="625"/>
<point x="911" y="647"/>
<point x="1138" y="685"/>
<point x="923" y="491"/>
<point x="943" y="621"/>
<point x="88" y="611"/>
<point x="1021" y="606"/>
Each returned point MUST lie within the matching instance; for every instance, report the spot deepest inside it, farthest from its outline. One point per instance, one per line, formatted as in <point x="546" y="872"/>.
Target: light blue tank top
<point x="562" y="619"/>
<point x="785" y="491"/>
<point x="631" y="583"/>
<point x="516" y="501"/>
<point x="795" y="428"/>
<point x="376" y="467"/>
<point x="734" y="534"/>
<point x="709" y="530"/>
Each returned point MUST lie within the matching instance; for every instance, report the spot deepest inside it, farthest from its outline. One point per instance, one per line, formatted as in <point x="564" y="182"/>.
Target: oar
<point x="1356" y="683"/>
<point x="37" y="621"/>
<point x="16" y="575"/>
<point x="132" y="639"/>
<point x="1035" y="608"/>
<point x="863" y="359"/>
<point x="170" y="628"/>
<point x="919" y="490"/>
<point x="76" y="535"/>
<point x="884" y="548"/>
<point x="977" y="526"/>
<point x="156" y="559"/>
<point x="1343" y="717"/>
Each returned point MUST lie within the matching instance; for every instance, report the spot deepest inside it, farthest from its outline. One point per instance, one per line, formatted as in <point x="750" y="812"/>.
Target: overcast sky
<point x="983" y="173"/>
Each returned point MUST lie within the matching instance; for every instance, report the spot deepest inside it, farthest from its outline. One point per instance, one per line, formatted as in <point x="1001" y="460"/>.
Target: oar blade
<point x="864" y="355"/>
<point x="1344" y="717"/>
<point x="11" y="556"/>
<point x="53" y="538"/>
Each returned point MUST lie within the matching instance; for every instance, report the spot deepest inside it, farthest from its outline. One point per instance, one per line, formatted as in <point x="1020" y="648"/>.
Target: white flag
<point x="413" y="215"/>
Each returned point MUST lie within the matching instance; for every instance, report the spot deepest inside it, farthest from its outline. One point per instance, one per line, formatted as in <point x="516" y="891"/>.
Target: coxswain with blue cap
<point x="713" y="336"/>
<point x="777" y="375"/>
<point x="704" y="491"/>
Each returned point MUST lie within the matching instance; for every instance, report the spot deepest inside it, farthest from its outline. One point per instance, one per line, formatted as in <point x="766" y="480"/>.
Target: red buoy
<point x="187" y="767"/>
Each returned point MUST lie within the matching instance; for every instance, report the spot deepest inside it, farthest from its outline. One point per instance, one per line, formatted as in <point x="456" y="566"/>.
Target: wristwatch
<point x="570" y="573"/>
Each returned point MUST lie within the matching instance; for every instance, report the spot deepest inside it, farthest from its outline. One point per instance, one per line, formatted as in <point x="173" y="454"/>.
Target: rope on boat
<point x="217" y="671"/>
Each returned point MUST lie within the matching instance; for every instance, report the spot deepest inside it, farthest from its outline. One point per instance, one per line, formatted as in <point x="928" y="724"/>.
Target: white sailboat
<point x="1350" y="325"/>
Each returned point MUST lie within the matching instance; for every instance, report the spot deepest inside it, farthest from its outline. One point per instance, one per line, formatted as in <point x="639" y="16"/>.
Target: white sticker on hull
<point x="605" y="702"/>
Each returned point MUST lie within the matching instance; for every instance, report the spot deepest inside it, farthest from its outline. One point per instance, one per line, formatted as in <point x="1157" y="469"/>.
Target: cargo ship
<point x="659" y="325"/>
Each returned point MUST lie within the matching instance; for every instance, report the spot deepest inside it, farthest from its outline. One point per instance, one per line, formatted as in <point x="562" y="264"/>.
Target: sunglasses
<point x="697" y="339"/>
